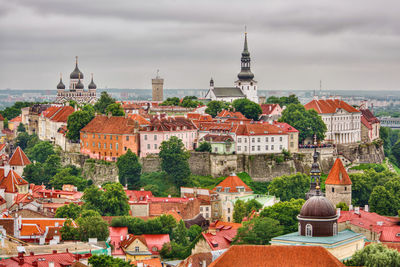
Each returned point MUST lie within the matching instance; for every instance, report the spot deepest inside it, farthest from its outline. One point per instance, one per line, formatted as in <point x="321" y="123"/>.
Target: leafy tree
<point x="171" y="101"/>
<point x="288" y="187"/>
<point x="104" y="101"/>
<point x="33" y="140"/>
<point x="15" y="110"/>
<point x="92" y="227"/>
<point x="115" y="201"/>
<point x="93" y="198"/>
<point x="52" y="165"/>
<point x="381" y="201"/>
<point x="68" y="231"/>
<point x="308" y="122"/>
<point x="107" y="261"/>
<point x="76" y="121"/>
<point x="115" y="109"/>
<point x="190" y="102"/>
<point x="163" y="224"/>
<point x="239" y="211"/>
<point x="21" y="128"/>
<point x="22" y="140"/>
<point x="180" y="234"/>
<point x="174" y="161"/>
<point x="252" y="205"/>
<point x="5" y="123"/>
<point x="193" y="232"/>
<point x="214" y="107"/>
<point x="286" y="213"/>
<point x="129" y="169"/>
<point x="283" y="101"/>
<point x="396" y="152"/>
<point x="258" y="231"/>
<point x="34" y="173"/>
<point x="65" y="177"/>
<point x="204" y="147"/>
<point x="71" y="211"/>
<point x="248" y="108"/>
<point x="174" y="250"/>
<point x="375" y="255"/>
<point x="40" y="152"/>
<point x="342" y="206"/>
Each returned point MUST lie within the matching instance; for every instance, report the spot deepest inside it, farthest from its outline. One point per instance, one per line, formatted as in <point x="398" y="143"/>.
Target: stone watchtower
<point x="157" y="85"/>
<point x="338" y="184"/>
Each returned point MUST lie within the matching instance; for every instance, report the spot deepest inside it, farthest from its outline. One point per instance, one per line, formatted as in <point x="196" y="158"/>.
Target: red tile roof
<point x="231" y="224"/>
<point x="268" y="108"/>
<point x="115" y="235"/>
<point x="232" y="182"/>
<point x="259" y="129"/>
<point x="217" y="138"/>
<point x="11" y="181"/>
<point x="142" y="121"/>
<point x="387" y="226"/>
<point x="62" y="114"/>
<point x="111" y="125"/>
<point x="19" y="158"/>
<point x="49" y="112"/>
<point x="149" y="262"/>
<point x="2" y="146"/>
<point x="329" y="106"/>
<point x="272" y="256"/>
<point x="338" y="174"/>
<point x="38" y="226"/>
<point x="230" y="114"/>
<point x="221" y="239"/>
<point x="369" y="116"/>
<point x="138" y="195"/>
<point x="285" y="127"/>
<point x="1" y="118"/>
<point x="16" y="119"/>
<point x="174" y="214"/>
<point x="366" y="122"/>
<point x="43" y="260"/>
<point x="169" y="124"/>
<point x="150" y="241"/>
<point x="199" y="117"/>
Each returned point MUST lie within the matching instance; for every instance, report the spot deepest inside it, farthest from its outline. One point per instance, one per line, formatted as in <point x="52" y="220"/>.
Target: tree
<point x="308" y="122"/>
<point x="204" y="147"/>
<point x="104" y="101"/>
<point x="258" y="231"/>
<point x="283" y="101"/>
<point x="129" y="169"/>
<point x="396" y="152"/>
<point x="381" y="201"/>
<point x="107" y="261"/>
<point x="288" y="187"/>
<point x="174" y="161"/>
<point x="239" y="211"/>
<point x="40" y="152"/>
<point x="180" y="234"/>
<point x="286" y="213"/>
<point x="68" y="231"/>
<point x="163" y="224"/>
<point x="93" y="198"/>
<point x="248" y="108"/>
<point x="71" y="211"/>
<point x="171" y="101"/>
<point x="375" y="255"/>
<point x="115" y="109"/>
<point x="76" y="121"/>
<point x="252" y="205"/>
<point x="193" y="232"/>
<point x="22" y="140"/>
<point x="342" y="206"/>
<point x="21" y="128"/>
<point x="214" y="107"/>
<point x="92" y="227"/>
<point x="34" y="173"/>
<point x="65" y="177"/>
<point x="115" y="201"/>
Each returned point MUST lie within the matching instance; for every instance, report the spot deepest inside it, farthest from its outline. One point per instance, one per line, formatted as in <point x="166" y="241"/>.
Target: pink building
<point x="161" y="129"/>
<point x="270" y="112"/>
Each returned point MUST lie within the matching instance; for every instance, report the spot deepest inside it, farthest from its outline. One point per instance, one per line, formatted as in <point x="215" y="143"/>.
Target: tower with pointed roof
<point x="315" y="173"/>
<point x="338" y="184"/>
<point x="158" y="88"/>
<point x="76" y="90"/>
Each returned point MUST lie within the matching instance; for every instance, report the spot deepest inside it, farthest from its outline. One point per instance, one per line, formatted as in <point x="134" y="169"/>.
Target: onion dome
<point x="92" y="85"/>
<point x="211" y="82"/>
<point x="318" y="207"/>
<point x="79" y="85"/>
<point x="245" y="72"/>
<point x="76" y="74"/>
<point x="60" y="84"/>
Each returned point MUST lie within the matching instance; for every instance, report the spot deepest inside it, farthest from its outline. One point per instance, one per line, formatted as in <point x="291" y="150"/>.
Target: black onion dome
<point x="76" y="74"/>
<point x="319" y="207"/>
<point x="79" y="85"/>
<point x="60" y="85"/>
<point x="92" y="85"/>
<point x="245" y="75"/>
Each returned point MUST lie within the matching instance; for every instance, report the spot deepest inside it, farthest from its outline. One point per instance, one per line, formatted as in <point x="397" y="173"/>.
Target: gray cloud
<point x="294" y="44"/>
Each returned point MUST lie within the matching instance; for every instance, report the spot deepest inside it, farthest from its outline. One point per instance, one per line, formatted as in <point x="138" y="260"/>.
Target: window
<point x="239" y="140"/>
<point x="136" y="249"/>
<point x="229" y="210"/>
<point x="272" y="139"/>
<point x="94" y="136"/>
<point x="105" y="145"/>
<point x="280" y="138"/>
<point x="99" y="136"/>
<point x="266" y="147"/>
<point x="127" y="138"/>
<point x="291" y="144"/>
<point x="148" y="146"/>
<point x="252" y="148"/>
<point x="299" y="228"/>
<point x="280" y="147"/>
<point x="201" y="209"/>
<point x="245" y="148"/>
<point x="291" y="136"/>
<point x="93" y="144"/>
<point x="116" y="146"/>
<point x="99" y="145"/>
<point x="333" y="189"/>
<point x="206" y="208"/>
<point x="145" y="137"/>
<point x="155" y="137"/>
<point x="155" y="146"/>
<point x="105" y="137"/>
<point x="258" y="148"/>
<point x="87" y="144"/>
<point x="216" y="149"/>
<point x="272" y="147"/>
<point x="259" y="139"/>
<point x="110" y="137"/>
<point x="125" y="148"/>
<point x="116" y="137"/>
<point x="266" y="139"/>
<point x="253" y="139"/>
<point x="239" y="148"/>
<point x="308" y="230"/>
<point x="229" y="219"/>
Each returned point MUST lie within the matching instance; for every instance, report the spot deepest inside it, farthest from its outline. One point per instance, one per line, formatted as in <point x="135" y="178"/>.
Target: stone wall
<point x="362" y="153"/>
<point x="100" y="173"/>
<point x="76" y="159"/>
<point x="151" y="163"/>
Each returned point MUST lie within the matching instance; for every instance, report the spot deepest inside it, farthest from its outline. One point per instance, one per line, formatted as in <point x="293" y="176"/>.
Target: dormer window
<point x="219" y="188"/>
<point x="226" y="189"/>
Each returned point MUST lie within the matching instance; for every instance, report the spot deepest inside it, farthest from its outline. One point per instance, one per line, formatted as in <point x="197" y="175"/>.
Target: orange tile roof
<point x="329" y="106"/>
<point x="11" y="181"/>
<point x="49" y="112"/>
<point x="35" y="226"/>
<point x="268" y="108"/>
<point x="272" y="256"/>
<point x="62" y="114"/>
<point x="142" y="121"/>
<point x="2" y="146"/>
<point x="19" y="158"/>
<point x="221" y="239"/>
<point x="232" y="182"/>
<point x="111" y="125"/>
<point x="1" y="118"/>
<point x="231" y="224"/>
<point x="338" y="174"/>
<point x="231" y="114"/>
<point x="174" y="214"/>
<point x="150" y="262"/>
<point x="259" y="129"/>
<point x="16" y="119"/>
<point x="31" y="229"/>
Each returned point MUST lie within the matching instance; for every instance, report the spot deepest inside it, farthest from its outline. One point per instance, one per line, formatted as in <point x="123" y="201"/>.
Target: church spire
<point x="315" y="174"/>
<point x="245" y="72"/>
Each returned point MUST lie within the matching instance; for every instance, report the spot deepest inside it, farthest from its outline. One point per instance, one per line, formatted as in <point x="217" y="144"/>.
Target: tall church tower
<point x="157" y="85"/>
<point x="338" y="184"/>
<point x="246" y="82"/>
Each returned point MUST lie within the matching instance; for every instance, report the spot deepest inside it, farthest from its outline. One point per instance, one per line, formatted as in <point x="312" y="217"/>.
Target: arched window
<point x="308" y="230"/>
<point x="335" y="229"/>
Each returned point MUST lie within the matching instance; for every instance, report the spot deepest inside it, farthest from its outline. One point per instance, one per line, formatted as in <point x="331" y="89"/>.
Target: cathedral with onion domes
<point x="76" y="91"/>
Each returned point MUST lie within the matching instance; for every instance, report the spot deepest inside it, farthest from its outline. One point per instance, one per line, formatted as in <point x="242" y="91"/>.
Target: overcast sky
<point x="349" y="45"/>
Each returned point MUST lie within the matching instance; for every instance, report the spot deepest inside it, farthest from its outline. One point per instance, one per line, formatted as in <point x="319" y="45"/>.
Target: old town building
<point x="338" y="184"/>
<point x="370" y="126"/>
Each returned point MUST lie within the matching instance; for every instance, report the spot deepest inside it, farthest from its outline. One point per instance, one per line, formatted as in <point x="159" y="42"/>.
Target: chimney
<point x="338" y="212"/>
<point x="51" y="263"/>
<point x="351" y="207"/>
<point x="357" y="210"/>
<point x="109" y="114"/>
<point x="366" y="208"/>
<point x="54" y="251"/>
<point x="204" y="263"/>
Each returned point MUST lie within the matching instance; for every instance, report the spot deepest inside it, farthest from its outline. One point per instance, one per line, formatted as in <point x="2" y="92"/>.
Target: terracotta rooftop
<point x="111" y="125"/>
<point x="142" y="121"/>
<point x="11" y="181"/>
<point x="2" y="146"/>
<point x="16" y="119"/>
<point x="221" y="239"/>
<point x="1" y="118"/>
<point x="19" y="158"/>
<point x="268" y="108"/>
<point x="285" y="127"/>
<point x="272" y="256"/>
<point x="329" y="106"/>
<point x="169" y="124"/>
<point x="231" y="184"/>
<point x="369" y="116"/>
<point x="149" y="262"/>
<point x="259" y="129"/>
<point x="199" y="117"/>
<point x="62" y="114"/>
<point x="151" y="241"/>
<point x="217" y="138"/>
<point x="231" y="114"/>
<point x="42" y="260"/>
<point x="338" y="174"/>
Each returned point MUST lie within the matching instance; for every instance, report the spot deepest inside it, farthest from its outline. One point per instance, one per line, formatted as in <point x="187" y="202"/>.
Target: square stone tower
<point x="158" y="88"/>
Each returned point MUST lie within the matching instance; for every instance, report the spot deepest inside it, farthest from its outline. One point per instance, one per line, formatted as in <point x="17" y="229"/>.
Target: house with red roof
<point x="293" y="135"/>
<point x="370" y="126"/>
<point x="3" y="149"/>
<point x="18" y="161"/>
<point x="142" y="247"/>
<point x="216" y="239"/>
<point x="54" y="259"/>
<point x="12" y="183"/>
<point x="117" y="235"/>
<point x="338" y="184"/>
<point x="270" y="112"/>
<point x="13" y="123"/>
<point x="271" y="256"/>
<point x="343" y="121"/>
<point x="230" y="188"/>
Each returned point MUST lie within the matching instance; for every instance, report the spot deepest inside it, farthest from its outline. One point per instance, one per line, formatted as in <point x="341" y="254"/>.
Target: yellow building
<point x="142" y="247"/>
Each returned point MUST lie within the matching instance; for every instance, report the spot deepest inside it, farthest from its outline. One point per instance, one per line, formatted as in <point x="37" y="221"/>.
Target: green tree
<point x="248" y="108"/>
<point x="375" y="255"/>
<point x="180" y="234"/>
<point x="308" y="122"/>
<point x="190" y="102"/>
<point x="239" y="211"/>
<point x="34" y="173"/>
<point x="71" y="211"/>
<point x="214" y="107"/>
<point x="342" y="206"/>
<point x="68" y="231"/>
<point x="193" y="232"/>
<point x="171" y="101"/>
<point x="174" y="161"/>
<point x="40" y="152"/>
<point x="286" y="213"/>
<point x="381" y="201"/>
<point x="289" y="186"/>
<point x="92" y="227"/>
<point x="76" y="121"/>
<point x="5" y="123"/>
<point x="21" y="128"/>
<point x="107" y="261"/>
<point x="129" y="169"/>
<point x="204" y="147"/>
<point x="64" y="176"/>
<point x="22" y="140"/>
<point x="104" y="101"/>
<point x="252" y="205"/>
<point x="115" y="201"/>
<point x="93" y="198"/>
<point x="258" y="231"/>
<point x="283" y="101"/>
<point x="396" y="152"/>
<point x="115" y="109"/>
